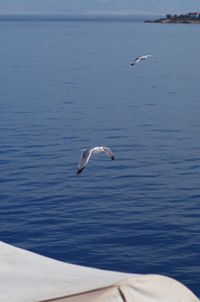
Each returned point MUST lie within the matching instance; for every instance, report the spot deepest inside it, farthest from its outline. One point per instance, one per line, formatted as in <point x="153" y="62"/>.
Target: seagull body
<point x="138" y="59"/>
<point x="85" y="156"/>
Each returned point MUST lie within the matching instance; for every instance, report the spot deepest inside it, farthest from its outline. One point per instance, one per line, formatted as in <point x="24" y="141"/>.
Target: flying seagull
<point x="85" y="156"/>
<point x="141" y="59"/>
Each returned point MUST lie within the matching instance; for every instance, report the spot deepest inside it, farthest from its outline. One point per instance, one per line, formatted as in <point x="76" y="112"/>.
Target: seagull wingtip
<point x="79" y="171"/>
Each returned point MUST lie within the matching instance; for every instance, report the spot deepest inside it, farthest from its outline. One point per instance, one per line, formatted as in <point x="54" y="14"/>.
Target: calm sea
<point x="66" y="86"/>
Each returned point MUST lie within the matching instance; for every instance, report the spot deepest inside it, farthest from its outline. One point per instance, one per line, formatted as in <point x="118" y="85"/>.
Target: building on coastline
<point x="194" y="15"/>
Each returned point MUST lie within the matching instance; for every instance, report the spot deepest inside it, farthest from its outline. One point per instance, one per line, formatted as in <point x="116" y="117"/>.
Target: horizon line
<point x="87" y="14"/>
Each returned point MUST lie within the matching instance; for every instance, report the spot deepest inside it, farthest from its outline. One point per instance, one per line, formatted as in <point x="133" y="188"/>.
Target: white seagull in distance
<point x="141" y="59"/>
<point x="85" y="156"/>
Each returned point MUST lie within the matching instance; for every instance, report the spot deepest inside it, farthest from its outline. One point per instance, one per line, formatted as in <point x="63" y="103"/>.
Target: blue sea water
<point x="66" y="86"/>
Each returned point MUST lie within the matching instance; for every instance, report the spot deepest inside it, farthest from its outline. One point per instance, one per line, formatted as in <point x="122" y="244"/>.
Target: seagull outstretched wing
<point x="138" y="59"/>
<point x="85" y="156"/>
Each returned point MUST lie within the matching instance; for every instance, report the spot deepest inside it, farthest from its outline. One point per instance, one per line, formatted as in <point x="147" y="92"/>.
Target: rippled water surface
<point x="68" y="85"/>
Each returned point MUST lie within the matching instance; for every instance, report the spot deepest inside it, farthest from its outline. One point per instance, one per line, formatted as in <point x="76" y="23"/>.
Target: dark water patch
<point x="68" y="102"/>
<point x="150" y="104"/>
<point x="172" y="93"/>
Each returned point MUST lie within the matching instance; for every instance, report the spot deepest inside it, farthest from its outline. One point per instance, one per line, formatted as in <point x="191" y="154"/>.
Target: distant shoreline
<point x="65" y="18"/>
<point x="190" y="18"/>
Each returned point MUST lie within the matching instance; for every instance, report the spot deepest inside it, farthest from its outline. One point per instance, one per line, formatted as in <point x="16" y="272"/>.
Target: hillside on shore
<point x="190" y="18"/>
